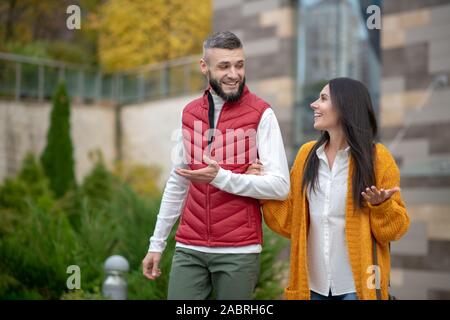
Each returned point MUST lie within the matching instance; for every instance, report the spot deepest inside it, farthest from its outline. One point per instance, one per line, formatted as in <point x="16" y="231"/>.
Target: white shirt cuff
<point x="221" y="178"/>
<point x="157" y="246"/>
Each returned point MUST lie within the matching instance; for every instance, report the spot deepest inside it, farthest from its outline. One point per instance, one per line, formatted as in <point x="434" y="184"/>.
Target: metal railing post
<point x="61" y="74"/>
<point x="120" y="87"/>
<point x="164" y="79"/>
<point x="41" y="80"/>
<point x="81" y="86"/>
<point x="141" y="87"/>
<point x="18" y="81"/>
<point x="121" y="81"/>
<point x="187" y="78"/>
<point x="113" y="87"/>
<point x="98" y="86"/>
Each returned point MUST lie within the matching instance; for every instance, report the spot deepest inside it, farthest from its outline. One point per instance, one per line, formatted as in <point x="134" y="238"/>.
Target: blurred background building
<point x="293" y="48"/>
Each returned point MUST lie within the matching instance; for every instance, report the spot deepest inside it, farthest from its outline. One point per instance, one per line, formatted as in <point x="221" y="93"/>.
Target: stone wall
<point x="23" y="128"/>
<point x="267" y="30"/>
<point x="149" y="131"/>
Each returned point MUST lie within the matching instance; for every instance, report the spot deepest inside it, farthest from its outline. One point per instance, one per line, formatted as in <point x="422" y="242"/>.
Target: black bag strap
<point x="210" y="118"/>
<point x="375" y="262"/>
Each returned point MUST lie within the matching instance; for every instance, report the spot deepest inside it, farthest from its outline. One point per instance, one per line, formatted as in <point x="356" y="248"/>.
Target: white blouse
<point x="328" y="261"/>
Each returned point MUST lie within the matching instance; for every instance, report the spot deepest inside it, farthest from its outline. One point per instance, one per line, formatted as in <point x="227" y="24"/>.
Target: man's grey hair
<point x="222" y="40"/>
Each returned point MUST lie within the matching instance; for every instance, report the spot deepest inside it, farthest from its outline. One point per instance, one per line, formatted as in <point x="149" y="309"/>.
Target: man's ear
<point x="203" y="66"/>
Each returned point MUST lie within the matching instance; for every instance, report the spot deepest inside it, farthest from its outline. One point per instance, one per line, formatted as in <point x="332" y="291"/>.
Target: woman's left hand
<point x="256" y="168"/>
<point x="375" y="196"/>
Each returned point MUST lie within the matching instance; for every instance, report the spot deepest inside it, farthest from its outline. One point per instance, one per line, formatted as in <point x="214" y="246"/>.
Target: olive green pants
<point x="198" y="275"/>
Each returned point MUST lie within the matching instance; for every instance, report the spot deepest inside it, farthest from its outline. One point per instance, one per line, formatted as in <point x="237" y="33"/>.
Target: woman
<point x="344" y="199"/>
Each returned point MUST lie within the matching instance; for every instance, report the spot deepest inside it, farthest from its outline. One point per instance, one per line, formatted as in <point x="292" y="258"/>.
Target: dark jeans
<point x="347" y="296"/>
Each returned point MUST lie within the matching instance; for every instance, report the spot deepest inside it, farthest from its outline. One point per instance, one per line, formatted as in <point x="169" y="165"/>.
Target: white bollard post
<point x="115" y="285"/>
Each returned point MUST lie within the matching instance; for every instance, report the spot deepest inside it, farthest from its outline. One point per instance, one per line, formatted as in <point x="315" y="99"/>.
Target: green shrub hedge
<point x="40" y="236"/>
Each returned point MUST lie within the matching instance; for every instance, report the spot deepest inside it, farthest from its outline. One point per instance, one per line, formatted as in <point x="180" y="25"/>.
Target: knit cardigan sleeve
<point x="278" y="214"/>
<point x="389" y="220"/>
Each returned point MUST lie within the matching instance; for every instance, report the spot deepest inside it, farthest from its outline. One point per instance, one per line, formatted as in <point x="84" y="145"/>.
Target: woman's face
<point x="325" y="114"/>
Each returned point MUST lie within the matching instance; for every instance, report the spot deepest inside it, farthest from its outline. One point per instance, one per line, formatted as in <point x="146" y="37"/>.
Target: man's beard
<point x="227" y="97"/>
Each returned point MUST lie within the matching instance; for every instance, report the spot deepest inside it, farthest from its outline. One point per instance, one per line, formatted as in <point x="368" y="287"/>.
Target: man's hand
<point x="150" y="265"/>
<point x="256" y="168"/>
<point x="375" y="196"/>
<point x="204" y="175"/>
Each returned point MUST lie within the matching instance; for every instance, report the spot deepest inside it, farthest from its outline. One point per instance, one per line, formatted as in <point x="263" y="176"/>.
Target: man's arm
<point x="171" y="205"/>
<point x="274" y="183"/>
<point x="169" y="211"/>
<point x="172" y="201"/>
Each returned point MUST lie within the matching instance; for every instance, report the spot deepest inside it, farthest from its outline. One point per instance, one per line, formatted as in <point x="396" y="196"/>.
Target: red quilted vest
<point x="212" y="217"/>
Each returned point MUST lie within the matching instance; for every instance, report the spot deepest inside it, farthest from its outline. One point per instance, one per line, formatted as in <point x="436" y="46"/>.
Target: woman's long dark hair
<point x="354" y="107"/>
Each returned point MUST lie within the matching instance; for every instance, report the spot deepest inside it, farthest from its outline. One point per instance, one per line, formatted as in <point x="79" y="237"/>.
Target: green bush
<point x="272" y="272"/>
<point x="31" y="184"/>
<point x="57" y="158"/>
<point x="142" y="178"/>
<point x="104" y="216"/>
<point x="100" y="218"/>
<point x="36" y="255"/>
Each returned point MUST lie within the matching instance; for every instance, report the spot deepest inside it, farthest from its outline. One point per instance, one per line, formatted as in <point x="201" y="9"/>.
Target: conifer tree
<point x="57" y="158"/>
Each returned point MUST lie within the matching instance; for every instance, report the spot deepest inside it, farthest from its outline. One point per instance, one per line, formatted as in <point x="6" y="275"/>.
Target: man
<point x="220" y="233"/>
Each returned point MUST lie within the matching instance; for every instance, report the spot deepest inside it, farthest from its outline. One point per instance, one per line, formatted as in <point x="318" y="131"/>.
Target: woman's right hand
<point x="256" y="168"/>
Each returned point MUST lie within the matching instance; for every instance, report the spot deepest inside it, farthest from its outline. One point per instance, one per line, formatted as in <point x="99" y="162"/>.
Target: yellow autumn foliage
<point x="139" y="32"/>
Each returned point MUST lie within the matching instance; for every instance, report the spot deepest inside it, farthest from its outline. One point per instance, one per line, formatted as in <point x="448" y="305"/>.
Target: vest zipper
<point x="207" y="215"/>
<point x="208" y="230"/>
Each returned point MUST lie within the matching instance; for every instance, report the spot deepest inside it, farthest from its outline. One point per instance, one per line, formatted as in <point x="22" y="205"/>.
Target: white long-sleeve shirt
<point x="328" y="261"/>
<point x="273" y="184"/>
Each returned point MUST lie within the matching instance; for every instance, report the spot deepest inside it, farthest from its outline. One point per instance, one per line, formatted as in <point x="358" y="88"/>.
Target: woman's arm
<point x="278" y="214"/>
<point x="389" y="220"/>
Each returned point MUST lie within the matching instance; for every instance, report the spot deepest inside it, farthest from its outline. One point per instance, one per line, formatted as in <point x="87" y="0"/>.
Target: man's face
<point x="225" y="72"/>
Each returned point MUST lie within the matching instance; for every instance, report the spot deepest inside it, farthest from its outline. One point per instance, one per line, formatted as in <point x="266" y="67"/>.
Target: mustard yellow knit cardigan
<point x="387" y="222"/>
